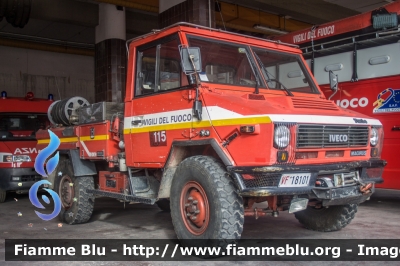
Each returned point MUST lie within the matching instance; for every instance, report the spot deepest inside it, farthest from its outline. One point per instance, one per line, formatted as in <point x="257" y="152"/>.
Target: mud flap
<point x="81" y="167"/>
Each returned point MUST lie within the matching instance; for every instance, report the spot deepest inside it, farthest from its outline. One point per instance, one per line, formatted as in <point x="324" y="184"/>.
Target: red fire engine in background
<point x="364" y="51"/>
<point x="20" y="118"/>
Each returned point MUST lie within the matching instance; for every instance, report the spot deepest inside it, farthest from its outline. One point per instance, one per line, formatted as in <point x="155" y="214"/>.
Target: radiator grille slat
<point x="314" y="104"/>
<point x="319" y="136"/>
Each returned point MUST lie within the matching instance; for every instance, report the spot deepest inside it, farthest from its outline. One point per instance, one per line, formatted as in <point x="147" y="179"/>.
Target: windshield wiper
<point x="268" y="78"/>
<point x="253" y="69"/>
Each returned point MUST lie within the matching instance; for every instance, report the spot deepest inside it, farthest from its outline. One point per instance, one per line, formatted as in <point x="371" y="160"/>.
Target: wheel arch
<point x="205" y="203"/>
<point x="180" y="150"/>
<point x="80" y="167"/>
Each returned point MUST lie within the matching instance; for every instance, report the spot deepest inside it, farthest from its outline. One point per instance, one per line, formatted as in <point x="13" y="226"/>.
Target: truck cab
<point x="20" y="118"/>
<point x="212" y="123"/>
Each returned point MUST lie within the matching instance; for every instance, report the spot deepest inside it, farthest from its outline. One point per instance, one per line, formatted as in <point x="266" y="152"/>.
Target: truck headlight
<point x="21" y="158"/>
<point x="374" y="137"/>
<point x="7" y="158"/>
<point x="281" y="136"/>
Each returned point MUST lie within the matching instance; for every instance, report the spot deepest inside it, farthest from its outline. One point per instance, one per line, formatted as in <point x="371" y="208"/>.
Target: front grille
<point x="30" y="178"/>
<point x="318" y="136"/>
<point x="261" y="180"/>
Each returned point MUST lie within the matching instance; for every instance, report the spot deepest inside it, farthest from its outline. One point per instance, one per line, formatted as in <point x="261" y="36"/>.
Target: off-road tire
<point x="3" y="195"/>
<point x="79" y="207"/>
<point x="225" y="205"/>
<point x="164" y="205"/>
<point x="329" y="219"/>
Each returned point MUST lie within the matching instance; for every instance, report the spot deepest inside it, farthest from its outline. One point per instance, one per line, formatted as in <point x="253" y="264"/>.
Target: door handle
<point x="136" y="122"/>
<point x="396" y="128"/>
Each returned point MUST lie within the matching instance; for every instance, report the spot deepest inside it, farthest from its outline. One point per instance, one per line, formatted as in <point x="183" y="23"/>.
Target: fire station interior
<point x="56" y="49"/>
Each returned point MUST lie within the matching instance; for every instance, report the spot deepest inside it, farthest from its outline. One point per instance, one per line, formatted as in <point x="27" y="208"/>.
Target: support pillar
<point x="110" y="54"/>
<point x="200" y="12"/>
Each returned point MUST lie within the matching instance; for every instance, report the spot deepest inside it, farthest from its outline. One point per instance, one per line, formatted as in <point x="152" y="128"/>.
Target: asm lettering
<point x="25" y="150"/>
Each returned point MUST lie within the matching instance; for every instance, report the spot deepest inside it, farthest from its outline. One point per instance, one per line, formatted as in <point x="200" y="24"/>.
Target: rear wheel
<point x="205" y="204"/>
<point x="329" y="219"/>
<point x="3" y="195"/>
<point x="76" y="203"/>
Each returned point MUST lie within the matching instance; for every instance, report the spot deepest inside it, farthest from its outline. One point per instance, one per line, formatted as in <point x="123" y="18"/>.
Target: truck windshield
<point x="14" y="126"/>
<point x="284" y="70"/>
<point x="234" y="64"/>
<point x="224" y="62"/>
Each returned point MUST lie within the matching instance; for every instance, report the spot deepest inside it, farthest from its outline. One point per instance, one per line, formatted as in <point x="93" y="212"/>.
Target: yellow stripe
<point x="242" y="121"/>
<point x="75" y="139"/>
<point x="221" y="122"/>
<point x="161" y="127"/>
<point x="199" y="124"/>
<point x="62" y="140"/>
<point x="96" y="137"/>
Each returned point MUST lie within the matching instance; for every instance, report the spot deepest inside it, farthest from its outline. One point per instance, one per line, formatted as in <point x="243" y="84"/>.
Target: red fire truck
<point x="364" y="51"/>
<point x="20" y="118"/>
<point x="212" y="123"/>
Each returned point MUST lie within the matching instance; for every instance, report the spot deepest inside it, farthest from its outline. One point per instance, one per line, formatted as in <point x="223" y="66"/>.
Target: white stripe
<point x="219" y="113"/>
<point x="171" y="117"/>
<point x="90" y="154"/>
<point x="323" y="119"/>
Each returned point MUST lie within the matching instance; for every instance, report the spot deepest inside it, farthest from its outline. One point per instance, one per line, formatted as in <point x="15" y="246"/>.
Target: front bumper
<point x="27" y="177"/>
<point x="341" y="195"/>
<point x="267" y="178"/>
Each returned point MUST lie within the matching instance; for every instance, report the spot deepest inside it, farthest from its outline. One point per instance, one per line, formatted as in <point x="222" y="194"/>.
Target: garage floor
<point x="377" y="218"/>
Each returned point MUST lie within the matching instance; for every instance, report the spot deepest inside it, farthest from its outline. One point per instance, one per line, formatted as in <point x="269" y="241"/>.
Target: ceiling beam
<point x="243" y="18"/>
<point x="46" y="47"/>
<point x="144" y="5"/>
<point x="318" y="9"/>
<point x="66" y="11"/>
<point x="309" y="11"/>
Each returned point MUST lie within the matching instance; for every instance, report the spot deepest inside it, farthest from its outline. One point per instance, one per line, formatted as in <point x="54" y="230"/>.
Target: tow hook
<point x="366" y="188"/>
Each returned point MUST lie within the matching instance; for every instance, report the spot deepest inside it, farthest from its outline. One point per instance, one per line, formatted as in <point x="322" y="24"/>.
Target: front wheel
<point x="329" y="219"/>
<point x="205" y="203"/>
<point x="76" y="203"/>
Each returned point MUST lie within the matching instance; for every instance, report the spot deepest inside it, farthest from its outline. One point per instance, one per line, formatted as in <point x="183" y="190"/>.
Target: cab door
<point x="161" y="106"/>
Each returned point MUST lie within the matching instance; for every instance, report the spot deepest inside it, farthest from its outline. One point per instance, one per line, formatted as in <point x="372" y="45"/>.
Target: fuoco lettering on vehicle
<point x="181" y="118"/>
<point x="326" y="31"/>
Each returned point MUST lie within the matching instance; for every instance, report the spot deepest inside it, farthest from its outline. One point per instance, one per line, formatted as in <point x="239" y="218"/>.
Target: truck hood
<point x="280" y="109"/>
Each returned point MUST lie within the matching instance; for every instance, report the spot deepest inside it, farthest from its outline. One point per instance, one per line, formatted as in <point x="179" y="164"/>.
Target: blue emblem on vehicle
<point x="388" y="101"/>
<point x="51" y="165"/>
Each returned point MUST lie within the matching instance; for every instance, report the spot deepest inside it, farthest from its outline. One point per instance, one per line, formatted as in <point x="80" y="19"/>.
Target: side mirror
<point x="191" y="59"/>
<point x="333" y="81"/>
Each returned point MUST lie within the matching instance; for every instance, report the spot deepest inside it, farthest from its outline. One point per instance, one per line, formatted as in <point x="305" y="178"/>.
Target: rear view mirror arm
<point x="333" y="82"/>
<point x="197" y="105"/>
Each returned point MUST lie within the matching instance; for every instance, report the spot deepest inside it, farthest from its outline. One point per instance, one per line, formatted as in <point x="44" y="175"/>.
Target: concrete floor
<point x="377" y="218"/>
